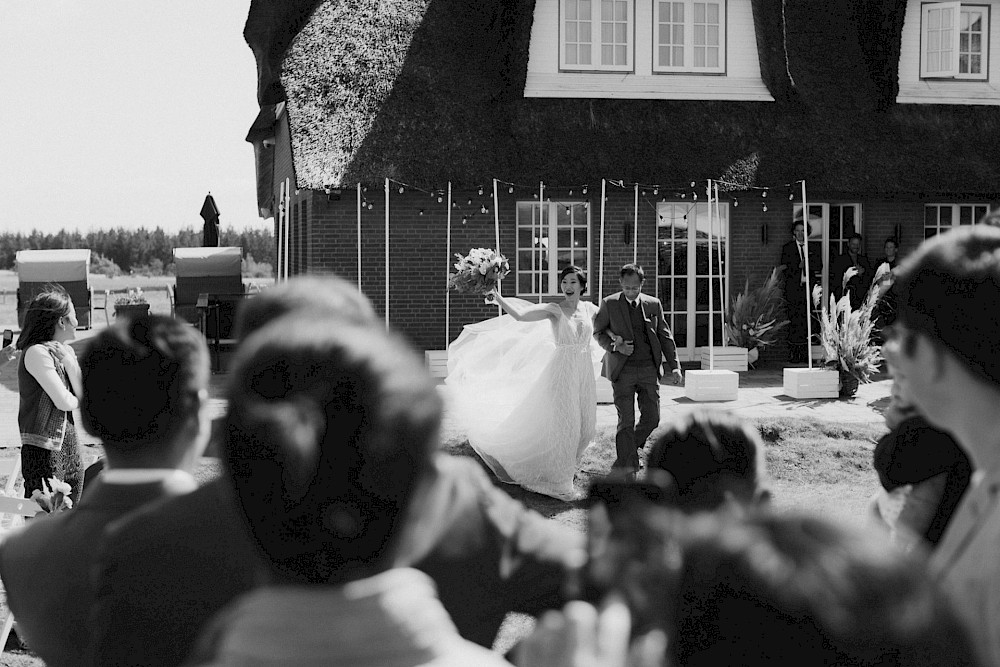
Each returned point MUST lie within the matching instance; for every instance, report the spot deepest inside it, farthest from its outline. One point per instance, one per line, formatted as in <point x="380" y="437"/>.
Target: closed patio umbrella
<point x="210" y="212"/>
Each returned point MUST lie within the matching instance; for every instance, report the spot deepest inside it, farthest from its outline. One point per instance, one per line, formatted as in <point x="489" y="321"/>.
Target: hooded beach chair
<point x="69" y="268"/>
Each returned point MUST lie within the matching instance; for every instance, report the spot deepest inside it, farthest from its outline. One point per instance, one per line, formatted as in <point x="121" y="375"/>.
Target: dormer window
<point x="954" y="38"/>
<point x="596" y="35"/>
<point x="689" y="36"/>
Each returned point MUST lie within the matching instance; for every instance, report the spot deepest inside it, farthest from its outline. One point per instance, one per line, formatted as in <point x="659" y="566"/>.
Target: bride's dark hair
<point x="580" y="275"/>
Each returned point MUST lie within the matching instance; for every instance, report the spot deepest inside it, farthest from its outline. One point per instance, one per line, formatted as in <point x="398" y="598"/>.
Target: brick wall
<point x="419" y="260"/>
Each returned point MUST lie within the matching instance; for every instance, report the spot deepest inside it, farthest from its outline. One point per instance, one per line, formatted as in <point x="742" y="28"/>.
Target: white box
<point x="811" y="383"/>
<point x="437" y="362"/>
<point x="726" y="359"/>
<point x="605" y="393"/>
<point x="717" y="385"/>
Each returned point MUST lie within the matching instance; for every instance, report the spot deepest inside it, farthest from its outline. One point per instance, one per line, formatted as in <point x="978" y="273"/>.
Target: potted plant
<point x="132" y="303"/>
<point x="846" y="336"/>
<point x="753" y="318"/>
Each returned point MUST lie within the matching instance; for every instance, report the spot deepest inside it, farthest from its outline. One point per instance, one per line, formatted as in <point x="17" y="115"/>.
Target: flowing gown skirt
<point x="527" y="402"/>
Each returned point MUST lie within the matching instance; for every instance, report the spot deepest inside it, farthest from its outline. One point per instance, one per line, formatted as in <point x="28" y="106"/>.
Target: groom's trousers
<point x="635" y="381"/>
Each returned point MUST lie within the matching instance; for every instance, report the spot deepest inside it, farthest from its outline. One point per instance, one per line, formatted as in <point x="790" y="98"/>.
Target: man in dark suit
<point x="145" y="396"/>
<point x="631" y="328"/>
<point x="793" y="262"/>
<point x="857" y="286"/>
<point x="486" y="552"/>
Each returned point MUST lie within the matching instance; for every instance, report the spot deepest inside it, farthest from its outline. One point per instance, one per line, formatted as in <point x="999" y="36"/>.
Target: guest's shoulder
<point x="186" y="511"/>
<point x="611" y="298"/>
<point x="34" y="540"/>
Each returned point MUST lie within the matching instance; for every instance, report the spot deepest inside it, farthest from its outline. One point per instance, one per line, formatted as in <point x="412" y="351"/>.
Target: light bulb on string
<point x="510" y="189"/>
<point x="535" y="195"/>
<point x="692" y="184"/>
<point x="401" y="189"/>
<point x="440" y="199"/>
<point x="421" y="211"/>
<point x="656" y="191"/>
<point x="765" y="208"/>
<point x="464" y="220"/>
<point x="695" y="196"/>
<point x="643" y="193"/>
<point x="370" y="206"/>
<point x="570" y="193"/>
<point x="683" y="195"/>
<point x="764" y="193"/>
<point x="469" y="202"/>
<point x="585" y="189"/>
<point x="454" y="204"/>
<point x="483" y="209"/>
<point x="791" y="196"/>
<point x="480" y="191"/>
<point x="736" y="202"/>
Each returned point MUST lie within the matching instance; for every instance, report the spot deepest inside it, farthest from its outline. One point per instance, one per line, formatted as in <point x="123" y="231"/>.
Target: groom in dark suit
<point x="634" y="334"/>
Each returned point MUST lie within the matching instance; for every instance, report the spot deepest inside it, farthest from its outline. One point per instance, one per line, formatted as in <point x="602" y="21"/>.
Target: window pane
<point x="585" y="35"/>
<point x="701" y="293"/>
<point x="665" y="292"/>
<point x="607" y="33"/>
<point x="699" y="57"/>
<point x="607" y="10"/>
<point x="571" y="31"/>
<point x="621" y="11"/>
<point x="945" y="217"/>
<point x="621" y="57"/>
<point x="965" y="215"/>
<point x="929" y="232"/>
<point x="678" y="56"/>
<point x="930" y="216"/>
<point x="680" y="294"/>
<point x="679" y="329"/>
<point x="680" y="259"/>
<point x="712" y="58"/>
<point x="678" y="12"/>
<point x="621" y="33"/>
<point x="607" y="55"/>
<point x="713" y="13"/>
<point x="699" y="12"/>
<point x="976" y="65"/>
<point x="570" y="10"/>
<point x="699" y="35"/>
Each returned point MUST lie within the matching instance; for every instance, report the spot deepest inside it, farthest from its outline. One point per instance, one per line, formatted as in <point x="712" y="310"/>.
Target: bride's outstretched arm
<point x="529" y="314"/>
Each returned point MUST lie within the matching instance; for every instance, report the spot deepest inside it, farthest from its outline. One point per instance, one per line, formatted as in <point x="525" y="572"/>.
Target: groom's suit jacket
<point x="614" y="314"/>
<point x="46" y="568"/>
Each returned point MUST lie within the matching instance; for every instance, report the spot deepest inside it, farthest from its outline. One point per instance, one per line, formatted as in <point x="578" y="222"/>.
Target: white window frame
<point x="544" y="228"/>
<point x="597" y="27"/>
<point x="976" y="210"/>
<point x="689" y="38"/>
<point x="949" y="44"/>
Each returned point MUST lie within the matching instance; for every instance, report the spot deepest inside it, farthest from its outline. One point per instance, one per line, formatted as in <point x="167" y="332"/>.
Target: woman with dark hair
<point x="48" y="376"/>
<point x="527" y="393"/>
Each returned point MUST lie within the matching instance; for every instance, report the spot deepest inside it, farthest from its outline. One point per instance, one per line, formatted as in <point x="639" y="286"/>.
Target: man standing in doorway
<point x="793" y="262"/>
<point x="631" y="328"/>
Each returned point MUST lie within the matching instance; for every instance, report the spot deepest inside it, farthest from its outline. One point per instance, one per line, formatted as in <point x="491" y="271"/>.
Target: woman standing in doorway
<point x="48" y="376"/>
<point x="526" y="393"/>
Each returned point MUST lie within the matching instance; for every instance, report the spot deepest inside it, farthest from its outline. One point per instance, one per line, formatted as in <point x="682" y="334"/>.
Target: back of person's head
<point x="991" y="218"/>
<point x="949" y="290"/>
<point x="713" y="456"/>
<point x="144" y="378"/>
<point x="331" y="428"/>
<point x="785" y="589"/>
<point x="42" y="316"/>
<point x="321" y="295"/>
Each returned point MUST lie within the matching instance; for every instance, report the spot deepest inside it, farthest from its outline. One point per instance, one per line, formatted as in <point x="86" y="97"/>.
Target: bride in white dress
<point x="523" y="386"/>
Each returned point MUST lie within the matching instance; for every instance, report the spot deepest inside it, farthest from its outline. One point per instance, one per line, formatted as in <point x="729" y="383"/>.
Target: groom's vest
<point x="642" y="355"/>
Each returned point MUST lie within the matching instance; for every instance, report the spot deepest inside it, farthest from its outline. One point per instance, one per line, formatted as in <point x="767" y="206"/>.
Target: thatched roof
<point x="427" y="91"/>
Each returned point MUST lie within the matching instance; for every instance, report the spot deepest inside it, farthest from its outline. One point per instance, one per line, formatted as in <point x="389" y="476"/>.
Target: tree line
<point x="138" y="250"/>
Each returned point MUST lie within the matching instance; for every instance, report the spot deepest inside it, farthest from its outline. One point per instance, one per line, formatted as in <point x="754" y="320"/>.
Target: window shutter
<point x="939" y="39"/>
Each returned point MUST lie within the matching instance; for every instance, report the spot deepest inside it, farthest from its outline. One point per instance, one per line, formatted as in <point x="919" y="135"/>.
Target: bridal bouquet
<point x="55" y="498"/>
<point x="479" y="272"/>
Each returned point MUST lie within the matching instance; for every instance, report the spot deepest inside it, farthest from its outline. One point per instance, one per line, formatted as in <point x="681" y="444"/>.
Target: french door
<point x="682" y="272"/>
<point x="831" y="227"/>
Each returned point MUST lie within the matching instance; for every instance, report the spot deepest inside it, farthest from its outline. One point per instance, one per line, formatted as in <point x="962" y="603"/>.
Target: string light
<point x="401" y="189"/>
<point x="480" y="191"/>
<point x="421" y="211"/>
<point x="791" y="196"/>
<point x="454" y="204"/>
<point x="469" y="202"/>
<point x="764" y="193"/>
<point x="464" y="220"/>
<point x="656" y="191"/>
<point x="736" y="202"/>
<point x="440" y="199"/>
<point x="585" y="189"/>
<point x="511" y="189"/>
<point x="765" y="208"/>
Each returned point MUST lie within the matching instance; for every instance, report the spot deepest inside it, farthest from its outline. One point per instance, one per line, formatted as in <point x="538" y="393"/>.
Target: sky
<point x="125" y="113"/>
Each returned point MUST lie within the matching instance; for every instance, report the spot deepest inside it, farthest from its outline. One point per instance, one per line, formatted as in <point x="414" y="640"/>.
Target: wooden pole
<point x="805" y="257"/>
<point x="447" y="292"/>
<point x="496" y="233"/>
<point x="723" y="293"/>
<point x="600" y="280"/>
<point x="711" y="293"/>
<point x="288" y="201"/>
<point x="359" y="238"/>
<point x="387" y="253"/>
<point x="635" y="227"/>
<point x="541" y="209"/>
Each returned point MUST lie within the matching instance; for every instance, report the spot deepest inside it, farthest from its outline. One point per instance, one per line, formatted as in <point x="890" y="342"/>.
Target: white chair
<point x="69" y="267"/>
<point x="17" y="509"/>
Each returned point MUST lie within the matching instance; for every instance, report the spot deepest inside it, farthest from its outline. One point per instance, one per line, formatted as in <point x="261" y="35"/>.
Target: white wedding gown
<point x="525" y="392"/>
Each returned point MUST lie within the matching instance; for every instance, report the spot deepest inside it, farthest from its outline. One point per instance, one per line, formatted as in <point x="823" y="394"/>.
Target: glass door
<point x="682" y="272"/>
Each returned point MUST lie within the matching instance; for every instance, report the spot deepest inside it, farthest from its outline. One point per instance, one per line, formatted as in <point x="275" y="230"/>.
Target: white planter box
<point x="605" y="394"/>
<point x="437" y="362"/>
<point x="811" y="383"/>
<point x="726" y="359"/>
<point x="717" y="385"/>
